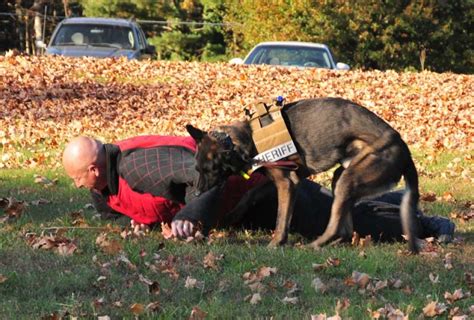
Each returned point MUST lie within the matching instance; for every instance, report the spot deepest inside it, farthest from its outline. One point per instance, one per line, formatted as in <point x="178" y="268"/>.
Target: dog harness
<point x="270" y="135"/>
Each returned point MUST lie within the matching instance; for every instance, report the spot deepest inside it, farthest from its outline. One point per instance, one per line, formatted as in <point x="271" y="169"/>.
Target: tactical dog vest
<point x="269" y="132"/>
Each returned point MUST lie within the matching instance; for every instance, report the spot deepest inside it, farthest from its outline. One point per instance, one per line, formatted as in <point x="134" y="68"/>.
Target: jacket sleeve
<point x="142" y="207"/>
<point x="203" y="209"/>
<point x="211" y="207"/>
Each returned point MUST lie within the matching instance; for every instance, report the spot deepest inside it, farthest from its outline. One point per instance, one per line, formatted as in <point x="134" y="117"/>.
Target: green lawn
<point x="37" y="283"/>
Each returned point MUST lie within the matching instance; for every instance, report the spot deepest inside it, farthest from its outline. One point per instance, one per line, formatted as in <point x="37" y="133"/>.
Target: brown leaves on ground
<point x="59" y="244"/>
<point x="254" y="281"/>
<point x="363" y="242"/>
<point x="166" y="231"/>
<point x="210" y="260"/>
<point x="458" y="294"/>
<point x="463" y="216"/>
<point x="153" y="286"/>
<point x="167" y="266"/>
<point x="434" y="308"/>
<point x="2" y="278"/>
<point x="12" y="208"/>
<point x="263" y="272"/>
<point x="108" y="245"/>
<point x="330" y="262"/>
<point x="197" y="314"/>
<point x="191" y="283"/>
<point x="388" y="312"/>
<point x="45" y="101"/>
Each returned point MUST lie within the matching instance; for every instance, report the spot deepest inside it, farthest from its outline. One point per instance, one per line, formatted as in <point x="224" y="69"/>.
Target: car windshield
<point x="95" y="35"/>
<point x="290" y="56"/>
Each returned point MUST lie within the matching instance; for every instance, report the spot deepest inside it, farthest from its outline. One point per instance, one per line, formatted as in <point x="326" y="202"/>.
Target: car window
<point x="290" y="56"/>
<point x="95" y="35"/>
<point x="141" y="38"/>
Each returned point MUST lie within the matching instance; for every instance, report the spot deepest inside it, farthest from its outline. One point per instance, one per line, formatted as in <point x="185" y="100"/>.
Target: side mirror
<point x="236" y="61"/>
<point x="40" y="44"/>
<point x="150" y="49"/>
<point x="342" y="66"/>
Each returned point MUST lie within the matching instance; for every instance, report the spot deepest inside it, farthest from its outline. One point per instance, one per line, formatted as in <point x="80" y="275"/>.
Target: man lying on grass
<point x="151" y="179"/>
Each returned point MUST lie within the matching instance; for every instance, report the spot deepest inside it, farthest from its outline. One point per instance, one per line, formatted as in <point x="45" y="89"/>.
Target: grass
<point x="90" y="283"/>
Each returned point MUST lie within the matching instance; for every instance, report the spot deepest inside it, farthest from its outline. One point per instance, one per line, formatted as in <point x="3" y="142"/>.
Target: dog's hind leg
<point x="340" y="221"/>
<point x="337" y="173"/>
<point x="369" y="173"/>
<point x="286" y="183"/>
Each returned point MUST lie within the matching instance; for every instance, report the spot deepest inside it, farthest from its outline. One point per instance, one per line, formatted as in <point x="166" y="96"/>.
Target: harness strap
<point x="281" y="164"/>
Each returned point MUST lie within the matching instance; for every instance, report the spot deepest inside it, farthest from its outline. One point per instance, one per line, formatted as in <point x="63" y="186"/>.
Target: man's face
<point x="89" y="178"/>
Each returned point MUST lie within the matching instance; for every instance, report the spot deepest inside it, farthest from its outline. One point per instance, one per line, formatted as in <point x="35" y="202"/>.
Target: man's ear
<point x="94" y="168"/>
<point x="196" y="133"/>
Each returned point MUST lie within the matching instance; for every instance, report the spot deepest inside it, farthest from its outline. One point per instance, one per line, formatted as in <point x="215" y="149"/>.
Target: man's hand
<point x="139" y="228"/>
<point x="182" y="228"/>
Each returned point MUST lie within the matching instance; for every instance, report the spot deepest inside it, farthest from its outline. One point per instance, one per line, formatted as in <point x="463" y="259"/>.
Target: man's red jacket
<point x="144" y="206"/>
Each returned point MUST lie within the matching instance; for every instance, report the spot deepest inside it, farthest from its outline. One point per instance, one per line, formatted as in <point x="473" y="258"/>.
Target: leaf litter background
<point x="45" y="101"/>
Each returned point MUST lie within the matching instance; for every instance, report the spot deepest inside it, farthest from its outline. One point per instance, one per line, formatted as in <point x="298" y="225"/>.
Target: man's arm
<point x="202" y="210"/>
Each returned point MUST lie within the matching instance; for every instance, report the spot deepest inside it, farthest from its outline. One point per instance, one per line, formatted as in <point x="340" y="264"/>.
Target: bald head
<point x="83" y="156"/>
<point x="81" y="152"/>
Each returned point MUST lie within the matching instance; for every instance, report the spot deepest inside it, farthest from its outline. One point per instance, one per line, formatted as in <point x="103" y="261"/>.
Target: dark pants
<point x="379" y="218"/>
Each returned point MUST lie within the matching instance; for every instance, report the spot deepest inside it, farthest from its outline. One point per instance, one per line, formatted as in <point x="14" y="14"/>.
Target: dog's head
<point x="217" y="157"/>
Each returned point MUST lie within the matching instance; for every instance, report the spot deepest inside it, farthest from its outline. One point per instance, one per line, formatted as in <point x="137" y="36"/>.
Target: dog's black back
<point x="323" y="129"/>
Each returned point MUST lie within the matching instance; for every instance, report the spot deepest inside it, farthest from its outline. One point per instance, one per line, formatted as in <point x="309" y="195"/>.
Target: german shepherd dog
<point x="326" y="132"/>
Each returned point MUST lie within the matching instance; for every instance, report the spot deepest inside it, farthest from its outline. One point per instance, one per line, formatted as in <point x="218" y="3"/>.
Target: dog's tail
<point x="409" y="205"/>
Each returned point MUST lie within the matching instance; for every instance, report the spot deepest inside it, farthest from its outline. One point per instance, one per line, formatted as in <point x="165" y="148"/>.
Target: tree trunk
<point x="67" y="13"/>
<point x="37" y="26"/>
<point x="20" y="31"/>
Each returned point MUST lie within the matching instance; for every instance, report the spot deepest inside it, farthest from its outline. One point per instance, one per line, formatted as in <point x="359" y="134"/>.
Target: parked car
<point x="99" y="37"/>
<point x="292" y="53"/>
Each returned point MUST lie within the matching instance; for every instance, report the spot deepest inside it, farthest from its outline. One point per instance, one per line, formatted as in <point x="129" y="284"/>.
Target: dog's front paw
<point x="275" y="243"/>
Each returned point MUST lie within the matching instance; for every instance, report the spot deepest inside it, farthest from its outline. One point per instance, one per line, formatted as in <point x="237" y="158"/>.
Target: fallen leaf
<point x="342" y="305"/>
<point x="290" y="300"/>
<point x="318" y="285"/>
<point x="458" y="294"/>
<point x="3" y="278"/>
<point x="448" y="260"/>
<point x="256" y="298"/>
<point x="210" y="260"/>
<point x="257" y="287"/>
<point x="109" y="246"/>
<point x="264" y="272"/>
<point x="358" y="278"/>
<point x="191" y="283"/>
<point x="13" y="209"/>
<point x="166" y="231"/>
<point x="137" y="308"/>
<point x="428" y="196"/>
<point x="123" y="259"/>
<point x="197" y="314"/>
<point x="434" y="278"/>
<point x="333" y="262"/>
<point x="434" y="308"/>
<point x="153" y="306"/>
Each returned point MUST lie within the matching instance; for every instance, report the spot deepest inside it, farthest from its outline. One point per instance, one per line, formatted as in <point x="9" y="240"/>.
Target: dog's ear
<point x="196" y="133"/>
